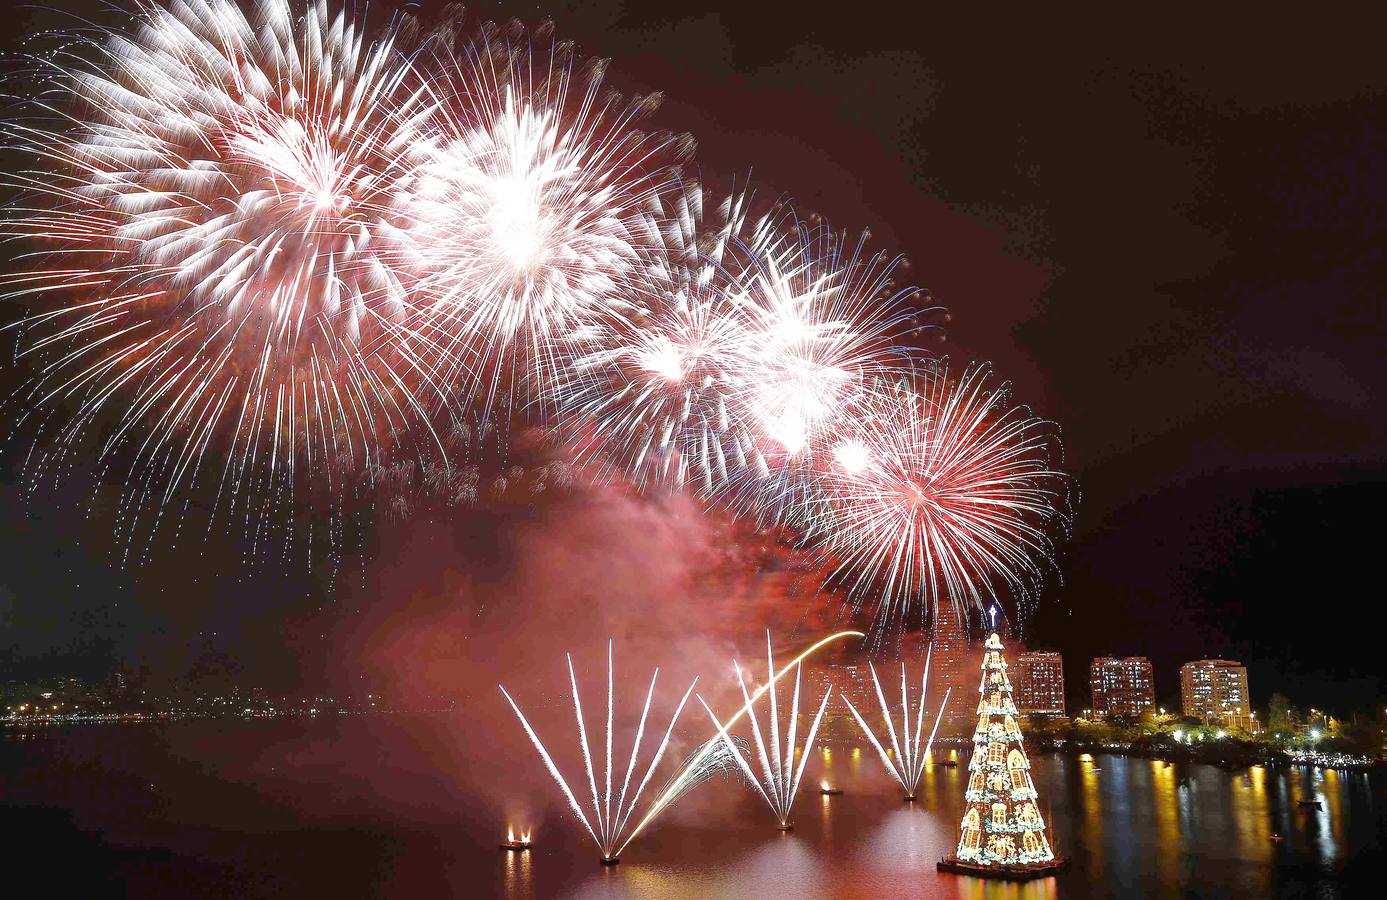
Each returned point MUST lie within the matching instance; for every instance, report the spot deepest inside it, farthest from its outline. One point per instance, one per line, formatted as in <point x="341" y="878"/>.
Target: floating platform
<point x="515" y="846"/>
<point x="610" y="860"/>
<point x="788" y="826"/>
<point x="1005" y="873"/>
<point x="831" y="792"/>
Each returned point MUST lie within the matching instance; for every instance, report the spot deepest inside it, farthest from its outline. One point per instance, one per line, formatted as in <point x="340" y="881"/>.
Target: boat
<point x="950" y="764"/>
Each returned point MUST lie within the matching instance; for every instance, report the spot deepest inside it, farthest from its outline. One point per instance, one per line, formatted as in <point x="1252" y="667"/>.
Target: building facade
<point x="1038" y="682"/>
<point x="955" y="667"/>
<point x="1215" y="692"/>
<point x="1121" y="687"/>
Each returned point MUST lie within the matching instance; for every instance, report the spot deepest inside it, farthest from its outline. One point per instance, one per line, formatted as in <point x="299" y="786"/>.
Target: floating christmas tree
<point x="1002" y="834"/>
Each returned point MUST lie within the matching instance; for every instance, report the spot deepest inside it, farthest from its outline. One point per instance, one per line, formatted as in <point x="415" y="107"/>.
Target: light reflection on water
<point x="200" y="810"/>
<point x="1134" y="827"/>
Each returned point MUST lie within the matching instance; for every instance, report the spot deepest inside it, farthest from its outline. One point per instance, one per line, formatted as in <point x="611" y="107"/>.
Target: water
<point x="388" y="808"/>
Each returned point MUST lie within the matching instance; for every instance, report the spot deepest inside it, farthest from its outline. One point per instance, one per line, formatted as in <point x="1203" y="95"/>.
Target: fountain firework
<point x="611" y="813"/>
<point x="677" y="785"/>
<point x="907" y="760"/>
<point x="780" y="776"/>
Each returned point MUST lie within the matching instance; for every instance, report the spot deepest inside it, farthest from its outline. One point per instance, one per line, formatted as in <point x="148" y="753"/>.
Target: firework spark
<point x="907" y="760"/>
<point x="208" y="197"/>
<point x="780" y="776"/>
<point x="611" y="812"/>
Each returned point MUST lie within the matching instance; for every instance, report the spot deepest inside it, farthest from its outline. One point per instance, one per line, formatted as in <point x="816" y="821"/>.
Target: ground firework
<point x="907" y="758"/>
<point x="611" y="812"/>
<point x="780" y="775"/>
<point x="208" y="198"/>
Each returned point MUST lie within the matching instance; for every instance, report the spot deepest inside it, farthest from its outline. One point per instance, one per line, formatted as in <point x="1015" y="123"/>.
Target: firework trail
<point x="611" y="810"/>
<point x="780" y="776"/>
<point x="677" y="787"/>
<point x="938" y="490"/>
<point x="908" y="762"/>
<point x="209" y="196"/>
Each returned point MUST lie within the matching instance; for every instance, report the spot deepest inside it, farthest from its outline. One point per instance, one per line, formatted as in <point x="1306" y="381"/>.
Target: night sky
<point x="1168" y="234"/>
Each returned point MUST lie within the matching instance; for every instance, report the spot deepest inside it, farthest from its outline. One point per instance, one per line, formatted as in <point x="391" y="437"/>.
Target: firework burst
<point x="744" y="339"/>
<point x="527" y="210"/>
<point x="938" y="493"/>
<point x="649" y="392"/>
<point x="208" y="202"/>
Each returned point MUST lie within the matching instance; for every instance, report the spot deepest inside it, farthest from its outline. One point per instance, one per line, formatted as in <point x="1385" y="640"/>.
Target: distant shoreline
<point x="1208" y="754"/>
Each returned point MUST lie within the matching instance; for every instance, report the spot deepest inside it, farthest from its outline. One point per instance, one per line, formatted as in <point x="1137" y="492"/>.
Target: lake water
<point x="329" y="809"/>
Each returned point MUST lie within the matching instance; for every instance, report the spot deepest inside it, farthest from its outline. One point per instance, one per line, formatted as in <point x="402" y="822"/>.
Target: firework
<point x="827" y="325"/>
<point x="780" y="776"/>
<point x="526" y="211"/>
<point x="743" y="340"/>
<point x="611" y="812"/>
<point x="939" y="493"/>
<point x="208" y="201"/>
<point x="649" y="393"/>
<point x="908" y="762"/>
<point x="679" y="784"/>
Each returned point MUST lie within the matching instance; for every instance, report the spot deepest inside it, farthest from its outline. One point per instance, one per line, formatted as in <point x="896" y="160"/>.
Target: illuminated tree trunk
<point x="1002" y="827"/>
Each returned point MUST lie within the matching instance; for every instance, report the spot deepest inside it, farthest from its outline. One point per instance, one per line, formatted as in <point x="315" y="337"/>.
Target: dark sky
<point x="1167" y="233"/>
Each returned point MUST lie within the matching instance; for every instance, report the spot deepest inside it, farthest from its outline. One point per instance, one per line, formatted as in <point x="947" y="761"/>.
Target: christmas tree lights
<point x="1002" y="833"/>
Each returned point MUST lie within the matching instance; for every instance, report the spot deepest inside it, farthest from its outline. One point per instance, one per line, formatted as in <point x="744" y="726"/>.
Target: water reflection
<point x="1091" y="802"/>
<point x="517" y="877"/>
<point x="1134" y="827"/>
<point x="1165" y="803"/>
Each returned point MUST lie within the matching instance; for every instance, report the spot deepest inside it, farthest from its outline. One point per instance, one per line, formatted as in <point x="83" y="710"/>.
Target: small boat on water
<point x="1274" y="837"/>
<point x="950" y="764"/>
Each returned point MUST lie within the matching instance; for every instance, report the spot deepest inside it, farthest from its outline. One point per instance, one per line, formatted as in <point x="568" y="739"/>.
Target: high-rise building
<point x="954" y="667"/>
<point x="1038" y="679"/>
<point x="1121" y="687"/>
<point x="1215" y="691"/>
<point x="850" y="680"/>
